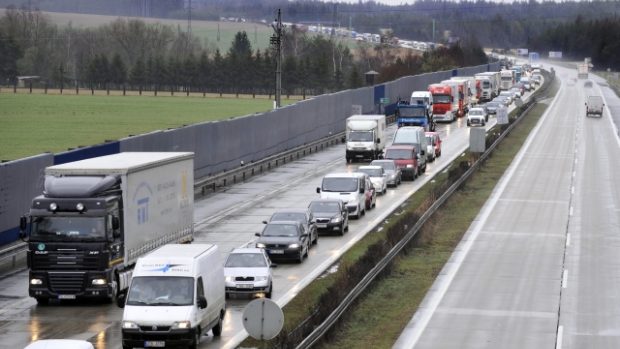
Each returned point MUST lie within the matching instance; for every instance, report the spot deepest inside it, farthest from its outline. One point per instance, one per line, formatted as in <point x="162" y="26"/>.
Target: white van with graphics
<point x="348" y="187"/>
<point x="177" y="294"/>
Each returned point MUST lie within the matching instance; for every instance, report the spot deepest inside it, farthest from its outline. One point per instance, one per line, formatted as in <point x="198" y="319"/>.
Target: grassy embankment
<point x="379" y="317"/>
<point x="33" y="124"/>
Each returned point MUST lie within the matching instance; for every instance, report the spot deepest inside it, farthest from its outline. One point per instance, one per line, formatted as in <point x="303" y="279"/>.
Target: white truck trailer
<point x="97" y="216"/>
<point x="365" y="136"/>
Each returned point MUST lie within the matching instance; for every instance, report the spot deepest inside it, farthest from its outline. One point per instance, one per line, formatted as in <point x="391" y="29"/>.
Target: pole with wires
<point x="276" y="42"/>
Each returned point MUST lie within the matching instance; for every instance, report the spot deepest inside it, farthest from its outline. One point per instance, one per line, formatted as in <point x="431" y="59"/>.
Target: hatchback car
<point x="477" y="116"/>
<point x="284" y="239"/>
<point x="302" y="215"/>
<point x="371" y="194"/>
<point x="248" y="272"/>
<point x="377" y="177"/>
<point x="435" y="141"/>
<point x="330" y="215"/>
<point x="491" y="107"/>
<point x="392" y="172"/>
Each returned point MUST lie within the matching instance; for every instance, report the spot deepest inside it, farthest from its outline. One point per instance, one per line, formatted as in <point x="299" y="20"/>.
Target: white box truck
<point x="97" y="216"/>
<point x="177" y="294"/>
<point x="594" y="106"/>
<point x="365" y="136"/>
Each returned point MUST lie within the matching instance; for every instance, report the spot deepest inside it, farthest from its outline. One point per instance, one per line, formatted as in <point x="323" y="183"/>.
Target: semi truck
<point x="471" y="87"/>
<point x="408" y="114"/>
<point x="365" y="136"/>
<point x="489" y="85"/>
<point x="507" y="79"/>
<point x="582" y="71"/>
<point x="445" y="102"/>
<point x="423" y="98"/>
<point x="95" y="217"/>
<point x="462" y="95"/>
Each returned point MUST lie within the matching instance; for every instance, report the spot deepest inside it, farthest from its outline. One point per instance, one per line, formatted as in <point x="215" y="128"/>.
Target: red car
<point x="434" y="144"/>
<point x="406" y="158"/>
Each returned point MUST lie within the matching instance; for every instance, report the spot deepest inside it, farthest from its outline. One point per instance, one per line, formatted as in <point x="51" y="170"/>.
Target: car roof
<point x="400" y="146"/>
<point x="246" y="250"/>
<point x="283" y="223"/>
<point x="325" y="200"/>
<point x="341" y="174"/>
<point x="477" y="108"/>
<point x="291" y="210"/>
<point x="379" y="161"/>
<point x="370" y="167"/>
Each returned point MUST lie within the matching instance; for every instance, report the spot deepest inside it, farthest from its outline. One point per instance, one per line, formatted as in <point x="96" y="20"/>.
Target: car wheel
<point x="346" y="227"/>
<point x="363" y="212"/>
<point x="316" y="238"/>
<point x="268" y="294"/>
<point x="217" y="329"/>
<point x="342" y="229"/>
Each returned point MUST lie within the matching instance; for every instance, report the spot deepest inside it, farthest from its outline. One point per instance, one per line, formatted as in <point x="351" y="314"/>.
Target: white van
<point x="177" y="294"/>
<point x="349" y="187"/>
<point x="416" y="136"/>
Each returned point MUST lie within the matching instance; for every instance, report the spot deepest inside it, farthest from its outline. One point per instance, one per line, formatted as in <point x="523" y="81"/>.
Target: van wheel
<point x="217" y="329"/>
<point x="197" y="336"/>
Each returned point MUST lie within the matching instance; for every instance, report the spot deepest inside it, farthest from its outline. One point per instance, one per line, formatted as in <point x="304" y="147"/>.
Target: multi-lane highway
<point x="539" y="266"/>
<point x="230" y="219"/>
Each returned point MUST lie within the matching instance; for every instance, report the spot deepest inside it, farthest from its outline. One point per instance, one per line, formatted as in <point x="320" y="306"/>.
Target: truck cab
<point x="365" y="136"/>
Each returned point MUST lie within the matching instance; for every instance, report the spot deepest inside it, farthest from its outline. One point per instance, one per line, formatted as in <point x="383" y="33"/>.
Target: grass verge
<point x="37" y="123"/>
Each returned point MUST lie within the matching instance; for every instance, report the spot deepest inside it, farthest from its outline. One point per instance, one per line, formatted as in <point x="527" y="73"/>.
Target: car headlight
<point x="99" y="282"/>
<point x="409" y="166"/>
<point x="260" y="278"/>
<point x="129" y="325"/>
<point x="36" y="281"/>
<point x="260" y="245"/>
<point x="181" y="325"/>
<point x="293" y="246"/>
<point x="230" y="278"/>
<point x="336" y="220"/>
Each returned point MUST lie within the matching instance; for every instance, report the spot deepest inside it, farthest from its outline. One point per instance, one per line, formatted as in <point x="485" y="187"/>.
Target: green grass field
<point x="33" y="124"/>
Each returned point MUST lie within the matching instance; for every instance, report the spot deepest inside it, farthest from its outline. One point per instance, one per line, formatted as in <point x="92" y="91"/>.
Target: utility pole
<point x="276" y="42"/>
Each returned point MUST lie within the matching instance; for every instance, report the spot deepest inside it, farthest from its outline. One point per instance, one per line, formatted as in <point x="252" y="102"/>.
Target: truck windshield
<point x="439" y="99"/>
<point x="507" y="78"/>
<point x="486" y="84"/>
<point x="344" y="184"/>
<point x="412" y="112"/>
<point x="63" y="228"/>
<point x="360" y="136"/>
<point x="161" y="290"/>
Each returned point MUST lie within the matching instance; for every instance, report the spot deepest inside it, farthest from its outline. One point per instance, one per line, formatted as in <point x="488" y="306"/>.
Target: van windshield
<point x="339" y="184"/>
<point x="161" y="291"/>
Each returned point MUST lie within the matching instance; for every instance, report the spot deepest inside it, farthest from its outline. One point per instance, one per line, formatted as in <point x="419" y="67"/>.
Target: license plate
<point x="245" y="286"/>
<point x="66" y="296"/>
<point x="276" y="251"/>
<point x="321" y="225"/>
<point x="154" y="344"/>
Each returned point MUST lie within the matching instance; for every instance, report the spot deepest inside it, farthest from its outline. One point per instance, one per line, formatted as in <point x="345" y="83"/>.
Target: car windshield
<point x="339" y="184"/>
<point x="360" y="136"/>
<point x="372" y="172"/>
<point x="161" y="290"/>
<point x="288" y="216"/>
<point x="324" y="206"/>
<point x="63" y="228"/>
<point x="245" y="260"/>
<point x="476" y="112"/>
<point x="396" y="154"/>
<point x="280" y="230"/>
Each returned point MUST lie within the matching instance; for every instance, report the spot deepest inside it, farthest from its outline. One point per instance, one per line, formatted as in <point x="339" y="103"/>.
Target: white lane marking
<point x="567" y="239"/>
<point x="535" y="201"/>
<point x="565" y="278"/>
<point x="558" y="343"/>
<point x="414" y="330"/>
<point x="574" y="174"/>
<point x="572" y="190"/>
<point x="570" y="212"/>
<point x="498" y="313"/>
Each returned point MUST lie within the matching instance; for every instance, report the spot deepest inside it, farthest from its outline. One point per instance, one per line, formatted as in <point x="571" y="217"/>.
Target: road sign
<point x="263" y="319"/>
<point x="502" y="115"/>
<point x="385" y="100"/>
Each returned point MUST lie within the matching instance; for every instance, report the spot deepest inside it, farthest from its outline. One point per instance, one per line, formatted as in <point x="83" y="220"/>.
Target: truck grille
<point x="65" y="260"/>
<point x="66" y="283"/>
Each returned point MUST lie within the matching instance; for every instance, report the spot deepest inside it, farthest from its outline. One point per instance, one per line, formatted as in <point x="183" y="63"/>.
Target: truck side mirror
<point x="23" y="222"/>
<point x="202" y="302"/>
<point x="116" y="234"/>
<point x="116" y="224"/>
<point x="120" y="300"/>
<point x="318" y="190"/>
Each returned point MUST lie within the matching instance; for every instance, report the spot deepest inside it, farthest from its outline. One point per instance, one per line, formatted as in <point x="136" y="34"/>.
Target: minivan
<point x="415" y="136"/>
<point x="351" y="188"/>
<point x="177" y="293"/>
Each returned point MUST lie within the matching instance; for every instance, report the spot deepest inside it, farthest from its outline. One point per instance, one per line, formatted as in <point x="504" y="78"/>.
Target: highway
<point x="229" y="219"/>
<point x="538" y="267"/>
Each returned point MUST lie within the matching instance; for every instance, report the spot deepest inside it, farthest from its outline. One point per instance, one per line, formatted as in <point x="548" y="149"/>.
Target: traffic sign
<point x="263" y="319"/>
<point x="385" y="100"/>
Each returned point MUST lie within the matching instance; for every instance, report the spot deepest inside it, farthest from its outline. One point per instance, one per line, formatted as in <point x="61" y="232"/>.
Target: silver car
<point x="377" y="177"/>
<point x="392" y="172"/>
<point x="248" y="271"/>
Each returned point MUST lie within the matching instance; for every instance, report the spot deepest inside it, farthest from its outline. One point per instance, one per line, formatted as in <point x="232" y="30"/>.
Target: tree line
<point x="135" y="55"/>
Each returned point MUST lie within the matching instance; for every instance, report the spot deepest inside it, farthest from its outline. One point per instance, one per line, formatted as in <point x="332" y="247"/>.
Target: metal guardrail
<point x="322" y="329"/>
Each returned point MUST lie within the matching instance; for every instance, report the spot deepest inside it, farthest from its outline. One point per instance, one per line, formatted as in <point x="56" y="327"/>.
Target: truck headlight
<point x="99" y="282"/>
<point x="36" y="282"/>
<point x="181" y="325"/>
<point x="293" y="246"/>
<point x="129" y="325"/>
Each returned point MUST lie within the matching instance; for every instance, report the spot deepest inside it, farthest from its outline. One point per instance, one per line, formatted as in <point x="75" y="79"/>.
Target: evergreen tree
<point x="137" y="76"/>
<point x="118" y="71"/>
<point x="10" y="52"/>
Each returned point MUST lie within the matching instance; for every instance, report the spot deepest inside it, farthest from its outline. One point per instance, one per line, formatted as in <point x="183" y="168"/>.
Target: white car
<point x="477" y="116"/>
<point x="377" y="177"/>
<point x="248" y="271"/>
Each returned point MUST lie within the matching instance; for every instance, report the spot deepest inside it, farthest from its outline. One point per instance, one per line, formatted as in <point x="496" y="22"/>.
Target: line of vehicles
<point x="117" y="227"/>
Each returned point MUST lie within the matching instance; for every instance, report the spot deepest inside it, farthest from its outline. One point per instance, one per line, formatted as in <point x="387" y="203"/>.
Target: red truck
<point x="445" y="102"/>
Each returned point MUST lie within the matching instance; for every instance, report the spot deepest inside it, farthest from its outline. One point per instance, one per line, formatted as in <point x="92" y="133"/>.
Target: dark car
<point x="284" y="239"/>
<point x="302" y="215"/>
<point x="491" y="107"/>
<point x="330" y="215"/>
